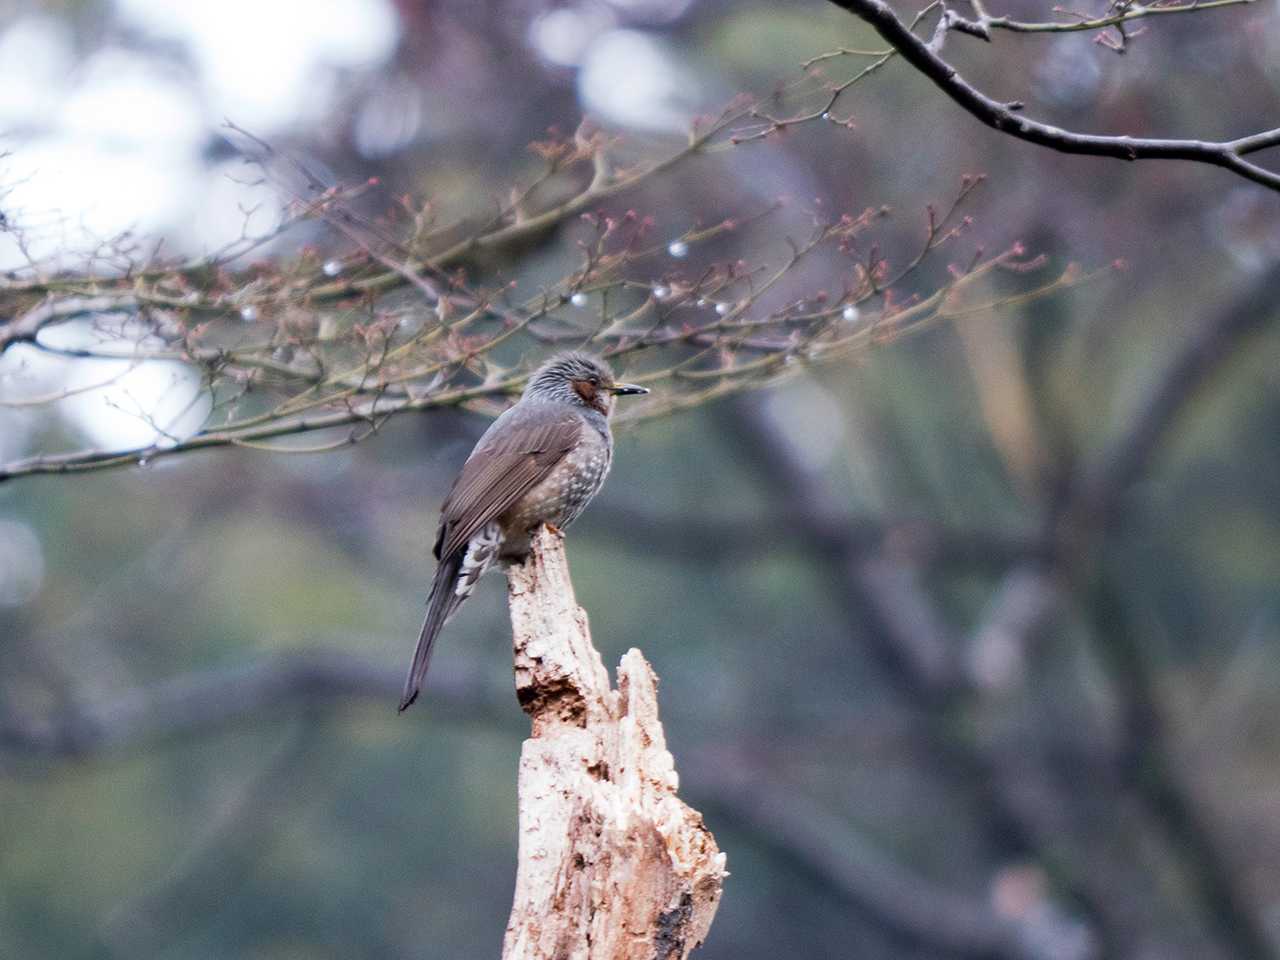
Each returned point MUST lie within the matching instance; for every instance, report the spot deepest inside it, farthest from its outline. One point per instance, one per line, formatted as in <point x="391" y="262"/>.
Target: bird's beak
<point x="626" y="389"/>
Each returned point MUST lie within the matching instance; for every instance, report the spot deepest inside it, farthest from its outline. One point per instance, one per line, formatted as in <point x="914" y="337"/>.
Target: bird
<point x="540" y="462"/>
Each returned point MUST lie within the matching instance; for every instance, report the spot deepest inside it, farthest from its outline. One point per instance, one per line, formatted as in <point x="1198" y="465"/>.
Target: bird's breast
<point x="563" y="493"/>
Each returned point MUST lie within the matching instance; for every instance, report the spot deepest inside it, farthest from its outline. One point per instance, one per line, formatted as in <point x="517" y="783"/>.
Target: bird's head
<point x="579" y="379"/>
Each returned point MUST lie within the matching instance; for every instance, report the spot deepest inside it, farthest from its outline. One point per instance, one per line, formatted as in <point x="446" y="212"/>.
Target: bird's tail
<point x="442" y="603"/>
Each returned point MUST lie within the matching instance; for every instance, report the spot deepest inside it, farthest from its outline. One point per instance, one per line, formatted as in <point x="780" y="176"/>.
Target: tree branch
<point x="983" y="23"/>
<point x="722" y="539"/>
<point x="886" y="604"/>
<point x="907" y="638"/>
<point x="205" y="701"/>
<point x="1213" y="341"/>
<point x="1233" y="918"/>
<point x="26" y="327"/>
<point x="907" y="904"/>
<point x="1006" y="118"/>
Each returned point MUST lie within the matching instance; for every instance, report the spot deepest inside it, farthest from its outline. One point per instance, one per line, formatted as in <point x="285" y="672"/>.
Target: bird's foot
<point x="551" y="527"/>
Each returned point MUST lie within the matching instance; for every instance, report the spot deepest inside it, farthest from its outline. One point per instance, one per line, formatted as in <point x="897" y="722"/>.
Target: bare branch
<point x="716" y="334"/>
<point x="1006" y="118"/>
<point x="26" y="327"/>
<point x="983" y="23"/>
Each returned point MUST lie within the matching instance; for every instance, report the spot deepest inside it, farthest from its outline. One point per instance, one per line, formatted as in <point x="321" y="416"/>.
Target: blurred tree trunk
<point x="612" y="863"/>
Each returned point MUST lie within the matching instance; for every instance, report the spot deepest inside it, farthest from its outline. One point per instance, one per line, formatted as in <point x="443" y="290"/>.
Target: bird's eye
<point x="594" y="381"/>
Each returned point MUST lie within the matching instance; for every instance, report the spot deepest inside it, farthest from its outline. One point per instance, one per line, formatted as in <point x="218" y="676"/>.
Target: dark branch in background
<point x="204" y="702"/>
<point x="222" y="849"/>
<point x="1211" y="342"/>
<point x="919" y="658"/>
<point x="906" y="904"/>
<point x="1151" y="768"/>
<point x="721" y="539"/>
<point x="1007" y="118"/>
<point x="885" y="604"/>
<point x="1092" y="504"/>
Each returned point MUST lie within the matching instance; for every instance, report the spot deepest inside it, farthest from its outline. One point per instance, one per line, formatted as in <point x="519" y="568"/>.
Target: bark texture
<point x="613" y="865"/>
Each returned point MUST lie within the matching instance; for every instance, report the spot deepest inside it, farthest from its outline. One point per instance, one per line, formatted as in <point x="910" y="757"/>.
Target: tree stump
<point x="612" y="864"/>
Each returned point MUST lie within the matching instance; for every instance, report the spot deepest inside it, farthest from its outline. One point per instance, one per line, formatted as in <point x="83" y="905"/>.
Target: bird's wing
<point x="513" y="457"/>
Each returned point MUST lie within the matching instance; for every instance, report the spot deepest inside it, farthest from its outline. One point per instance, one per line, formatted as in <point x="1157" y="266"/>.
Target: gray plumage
<point x="540" y="462"/>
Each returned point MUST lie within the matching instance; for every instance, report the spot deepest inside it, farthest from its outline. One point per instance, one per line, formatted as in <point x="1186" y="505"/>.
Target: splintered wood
<point x="613" y="865"/>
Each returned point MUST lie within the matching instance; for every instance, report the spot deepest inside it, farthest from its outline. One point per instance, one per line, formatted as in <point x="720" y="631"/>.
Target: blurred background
<point x="967" y="646"/>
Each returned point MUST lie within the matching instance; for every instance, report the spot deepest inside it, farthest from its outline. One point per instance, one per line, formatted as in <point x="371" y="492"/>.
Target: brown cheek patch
<point x="592" y="396"/>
